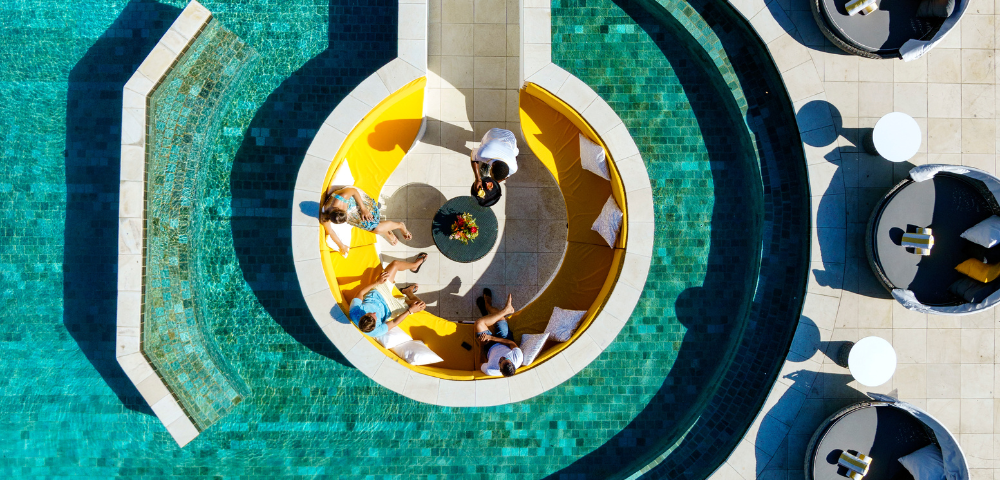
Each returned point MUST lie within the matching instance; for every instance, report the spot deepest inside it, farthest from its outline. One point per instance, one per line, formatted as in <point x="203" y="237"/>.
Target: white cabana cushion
<point x="985" y="233"/>
<point x="416" y="353"/>
<point x="609" y="222"/>
<point x="341" y="178"/>
<point x="592" y="157"/>
<point x="394" y="338"/>
<point x="531" y="346"/>
<point x="925" y="464"/>
<point x="563" y="323"/>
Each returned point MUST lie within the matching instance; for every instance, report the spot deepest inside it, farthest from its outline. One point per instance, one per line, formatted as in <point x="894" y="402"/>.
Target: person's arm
<point x="365" y="214"/>
<point x="364" y="291"/>
<point x="328" y="229"/>
<point x="504" y="341"/>
<point x="475" y="171"/>
<point x="416" y="307"/>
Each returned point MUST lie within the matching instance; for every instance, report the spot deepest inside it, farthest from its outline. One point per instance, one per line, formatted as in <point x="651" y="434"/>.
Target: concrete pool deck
<point x="946" y="365"/>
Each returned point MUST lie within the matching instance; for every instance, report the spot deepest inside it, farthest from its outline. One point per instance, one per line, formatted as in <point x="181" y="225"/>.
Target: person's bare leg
<point x="410" y="293"/>
<point x="494" y="316"/>
<point x="490" y="309"/>
<point x="399" y="265"/>
<point x="385" y="229"/>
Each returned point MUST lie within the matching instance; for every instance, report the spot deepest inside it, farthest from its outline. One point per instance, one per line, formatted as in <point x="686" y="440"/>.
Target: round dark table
<point x="455" y="249"/>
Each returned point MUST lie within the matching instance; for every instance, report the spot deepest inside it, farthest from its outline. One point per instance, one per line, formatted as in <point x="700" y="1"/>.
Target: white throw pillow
<point x="609" y="222"/>
<point x="416" y="353"/>
<point x="563" y="323"/>
<point x="394" y="338"/>
<point x="531" y="346"/>
<point x="343" y="176"/>
<point x="592" y="158"/>
<point x="925" y="464"/>
<point x="985" y="233"/>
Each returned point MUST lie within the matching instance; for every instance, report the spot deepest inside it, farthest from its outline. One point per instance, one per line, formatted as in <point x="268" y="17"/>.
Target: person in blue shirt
<point x="376" y="311"/>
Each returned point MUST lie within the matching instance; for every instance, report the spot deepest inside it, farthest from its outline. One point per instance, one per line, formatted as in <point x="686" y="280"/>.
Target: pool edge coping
<point x="131" y="221"/>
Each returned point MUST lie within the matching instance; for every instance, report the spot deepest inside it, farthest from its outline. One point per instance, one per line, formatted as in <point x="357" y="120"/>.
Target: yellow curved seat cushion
<point x="579" y="285"/>
<point x="574" y="287"/>
<point x="378" y="143"/>
<point x="583" y="282"/>
<point x="552" y="128"/>
<point x="977" y="270"/>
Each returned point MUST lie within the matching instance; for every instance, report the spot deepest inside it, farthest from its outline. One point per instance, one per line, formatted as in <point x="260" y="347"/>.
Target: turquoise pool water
<point x="68" y="409"/>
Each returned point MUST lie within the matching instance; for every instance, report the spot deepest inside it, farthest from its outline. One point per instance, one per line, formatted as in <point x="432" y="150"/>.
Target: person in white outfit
<point x="495" y="158"/>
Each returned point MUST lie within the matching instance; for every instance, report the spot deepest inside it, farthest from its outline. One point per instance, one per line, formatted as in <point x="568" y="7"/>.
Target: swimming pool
<point x="68" y="411"/>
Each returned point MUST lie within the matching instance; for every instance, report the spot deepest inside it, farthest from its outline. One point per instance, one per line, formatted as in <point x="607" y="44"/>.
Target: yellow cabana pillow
<point x="980" y="271"/>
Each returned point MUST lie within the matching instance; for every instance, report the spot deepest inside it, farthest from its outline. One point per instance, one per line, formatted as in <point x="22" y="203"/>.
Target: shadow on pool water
<point x="362" y="39"/>
<point x="93" y="159"/>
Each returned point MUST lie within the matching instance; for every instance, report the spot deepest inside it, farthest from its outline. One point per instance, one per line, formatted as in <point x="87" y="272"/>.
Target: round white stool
<point x="872" y="361"/>
<point x="896" y="137"/>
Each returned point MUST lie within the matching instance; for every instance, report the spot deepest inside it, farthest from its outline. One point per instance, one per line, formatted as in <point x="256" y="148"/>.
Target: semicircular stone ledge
<point x="387" y="371"/>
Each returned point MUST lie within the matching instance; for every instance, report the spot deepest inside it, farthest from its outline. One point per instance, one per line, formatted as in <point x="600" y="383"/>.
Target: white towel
<point x="855" y="464"/>
<point x="857" y="6"/>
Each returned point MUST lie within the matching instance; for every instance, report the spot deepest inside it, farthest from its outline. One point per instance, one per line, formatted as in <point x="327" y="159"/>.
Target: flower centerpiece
<point x="464" y="229"/>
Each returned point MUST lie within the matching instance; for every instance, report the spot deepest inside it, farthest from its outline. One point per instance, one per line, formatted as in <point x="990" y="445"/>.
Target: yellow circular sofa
<point x="589" y="270"/>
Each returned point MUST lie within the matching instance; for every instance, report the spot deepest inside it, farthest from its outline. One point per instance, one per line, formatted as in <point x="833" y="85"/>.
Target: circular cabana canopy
<point x="892" y="31"/>
<point x="884" y="429"/>
<point x="949" y="200"/>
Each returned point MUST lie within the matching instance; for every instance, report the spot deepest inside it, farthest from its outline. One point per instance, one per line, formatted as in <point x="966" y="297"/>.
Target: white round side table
<point x="872" y="361"/>
<point x="896" y="137"/>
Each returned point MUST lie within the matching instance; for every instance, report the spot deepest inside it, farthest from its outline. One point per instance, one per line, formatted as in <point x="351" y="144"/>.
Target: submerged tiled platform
<point x="132" y="264"/>
<point x="171" y="114"/>
<point x="186" y="112"/>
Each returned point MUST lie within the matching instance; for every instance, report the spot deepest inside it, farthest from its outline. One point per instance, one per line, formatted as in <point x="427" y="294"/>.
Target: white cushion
<point x="416" y="353"/>
<point x="531" y="346"/>
<point x="925" y="464"/>
<point x="592" y="158"/>
<point x="394" y="338"/>
<point x="609" y="222"/>
<point x="985" y="233"/>
<point x="342" y="177"/>
<point x="343" y="232"/>
<point x="563" y="323"/>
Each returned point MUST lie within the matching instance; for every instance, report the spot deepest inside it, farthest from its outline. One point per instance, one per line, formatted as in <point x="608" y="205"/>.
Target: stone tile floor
<point x="472" y="87"/>
<point x="949" y="366"/>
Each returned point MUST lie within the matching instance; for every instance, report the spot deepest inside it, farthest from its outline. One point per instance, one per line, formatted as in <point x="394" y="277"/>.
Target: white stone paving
<point x="949" y="366"/>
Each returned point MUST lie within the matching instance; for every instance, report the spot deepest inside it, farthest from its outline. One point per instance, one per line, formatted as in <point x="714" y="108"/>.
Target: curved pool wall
<point x="726" y="76"/>
<point x="309" y="414"/>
